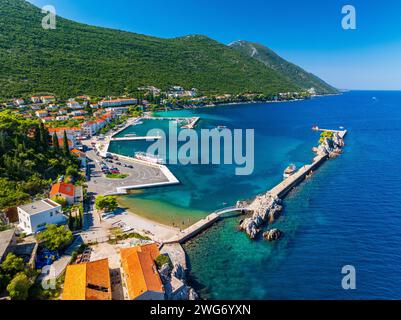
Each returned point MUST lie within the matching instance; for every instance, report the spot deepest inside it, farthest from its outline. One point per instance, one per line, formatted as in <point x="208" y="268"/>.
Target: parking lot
<point x="138" y="174"/>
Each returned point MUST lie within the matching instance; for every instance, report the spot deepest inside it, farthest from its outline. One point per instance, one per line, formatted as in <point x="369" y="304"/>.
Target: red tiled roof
<point x="78" y="153"/>
<point x="61" y="142"/>
<point x="140" y="270"/>
<point x="61" y="129"/>
<point x="62" y="188"/>
<point x="88" y="281"/>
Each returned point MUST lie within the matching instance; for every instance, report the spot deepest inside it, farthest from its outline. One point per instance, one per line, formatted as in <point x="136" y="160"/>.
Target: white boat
<point x="221" y="127"/>
<point x="289" y="171"/>
<point x="129" y="135"/>
<point x="149" y="158"/>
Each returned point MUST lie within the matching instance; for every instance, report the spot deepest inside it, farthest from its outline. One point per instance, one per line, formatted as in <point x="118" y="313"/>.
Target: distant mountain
<point x="81" y="59"/>
<point x="273" y="61"/>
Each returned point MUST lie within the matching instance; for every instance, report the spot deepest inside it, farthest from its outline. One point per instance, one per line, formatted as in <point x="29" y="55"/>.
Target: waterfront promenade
<point x="201" y="225"/>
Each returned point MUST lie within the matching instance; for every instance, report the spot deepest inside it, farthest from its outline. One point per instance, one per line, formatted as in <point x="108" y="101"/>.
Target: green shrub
<point x="19" y="286"/>
<point x="55" y="237"/>
<point x="161" y="260"/>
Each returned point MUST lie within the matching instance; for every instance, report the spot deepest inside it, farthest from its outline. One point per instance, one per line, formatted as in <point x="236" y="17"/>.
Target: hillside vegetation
<point x="28" y="163"/>
<point x="295" y="74"/>
<point x="80" y="59"/>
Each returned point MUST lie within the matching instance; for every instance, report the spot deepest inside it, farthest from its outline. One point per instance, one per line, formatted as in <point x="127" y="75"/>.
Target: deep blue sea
<point x="348" y="213"/>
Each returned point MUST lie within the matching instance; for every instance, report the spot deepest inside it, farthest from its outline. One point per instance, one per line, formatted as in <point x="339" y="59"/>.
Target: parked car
<point x="118" y="163"/>
<point x="106" y="214"/>
<point x="131" y="167"/>
<point x="127" y="229"/>
<point x="109" y="216"/>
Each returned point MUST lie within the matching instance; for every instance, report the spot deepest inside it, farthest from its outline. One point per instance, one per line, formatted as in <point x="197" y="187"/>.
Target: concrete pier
<point x="195" y="229"/>
<point x="203" y="224"/>
<point x="284" y="187"/>
<point x="192" y="122"/>
<point x="146" y="138"/>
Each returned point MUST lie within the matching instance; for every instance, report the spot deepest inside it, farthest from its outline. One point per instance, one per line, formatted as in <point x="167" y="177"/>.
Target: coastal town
<point x="75" y="241"/>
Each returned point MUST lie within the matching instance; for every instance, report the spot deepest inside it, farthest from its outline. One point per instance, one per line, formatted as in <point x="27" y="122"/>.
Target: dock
<point x="203" y="224"/>
<point x="191" y="122"/>
<point x="146" y="138"/>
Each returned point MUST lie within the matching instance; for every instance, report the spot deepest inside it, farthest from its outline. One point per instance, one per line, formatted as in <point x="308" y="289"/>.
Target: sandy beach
<point x="144" y="226"/>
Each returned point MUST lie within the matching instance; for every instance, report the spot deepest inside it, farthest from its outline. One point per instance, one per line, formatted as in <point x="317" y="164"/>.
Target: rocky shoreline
<point x="267" y="209"/>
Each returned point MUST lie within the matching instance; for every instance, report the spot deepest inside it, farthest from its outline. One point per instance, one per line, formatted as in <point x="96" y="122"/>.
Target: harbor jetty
<point x="203" y="224"/>
<point x="188" y="123"/>
<point x="267" y="207"/>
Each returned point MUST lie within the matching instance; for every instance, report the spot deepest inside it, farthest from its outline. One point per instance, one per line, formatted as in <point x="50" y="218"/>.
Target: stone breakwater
<point x="265" y="208"/>
<point x="268" y="207"/>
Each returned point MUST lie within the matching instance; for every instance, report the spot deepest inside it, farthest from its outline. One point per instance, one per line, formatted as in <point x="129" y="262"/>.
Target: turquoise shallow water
<point x="348" y="213"/>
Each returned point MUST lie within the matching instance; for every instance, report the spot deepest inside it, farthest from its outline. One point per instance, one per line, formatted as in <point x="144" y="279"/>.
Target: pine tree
<point x="56" y="145"/>
<point x="66" y="148"/>
<point x="44" y="136"/>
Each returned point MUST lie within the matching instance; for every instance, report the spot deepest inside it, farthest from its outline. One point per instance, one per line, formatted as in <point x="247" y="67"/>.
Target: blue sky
<point x="307" y="32"/>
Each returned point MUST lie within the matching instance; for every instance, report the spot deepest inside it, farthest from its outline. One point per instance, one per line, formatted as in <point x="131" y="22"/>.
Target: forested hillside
<point x="80" y="59"/>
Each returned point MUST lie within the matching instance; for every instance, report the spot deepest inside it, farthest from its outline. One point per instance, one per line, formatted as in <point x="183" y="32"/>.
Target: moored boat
<point x="289" y="171"/>
<point x="149" y="158"/>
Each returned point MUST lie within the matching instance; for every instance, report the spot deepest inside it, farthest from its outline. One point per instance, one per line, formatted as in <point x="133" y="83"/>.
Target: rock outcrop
<point x="273" y="234"/>
<point x="265" y="208"/>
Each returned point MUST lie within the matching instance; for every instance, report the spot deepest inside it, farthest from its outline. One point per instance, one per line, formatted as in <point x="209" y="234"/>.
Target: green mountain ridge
<point x="294" y="73"/>
<point x="79" y="59"/>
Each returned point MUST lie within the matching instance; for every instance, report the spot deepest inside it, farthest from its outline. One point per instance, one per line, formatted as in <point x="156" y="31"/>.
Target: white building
<point x="35" y="216"/>
<point x="62" y="118"/>
<point x="35" y="99"/>
<point x="74" y="105"/>
<point x="78" y="113"/>
<point x="117" y="103"/>
<point x="19" y="102"/>
<point x="48" y="99"/>
<point x="118" y="110"/>
<point x="90" y="128"/>
<point x="41" y="113"/>
<point x="52" y="107"/>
